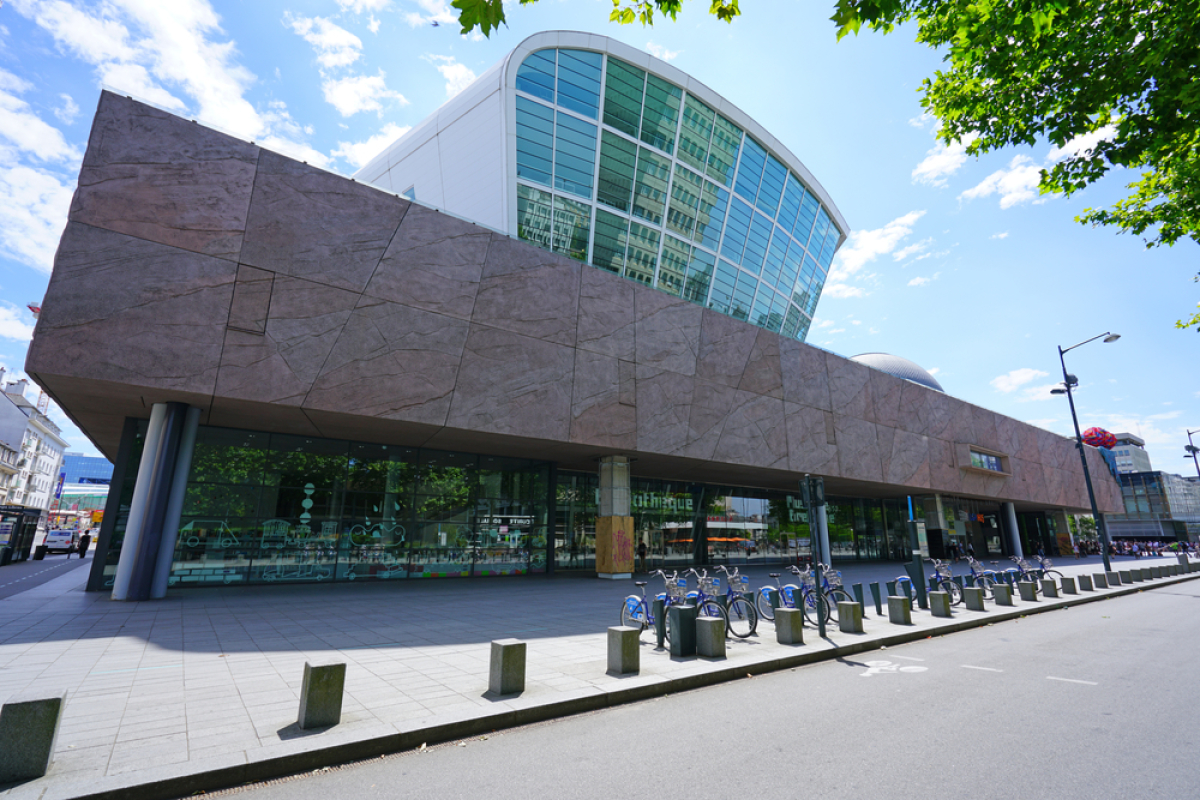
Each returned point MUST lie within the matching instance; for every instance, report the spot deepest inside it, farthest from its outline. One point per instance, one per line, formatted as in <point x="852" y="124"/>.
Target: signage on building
<point x="62" y="477"/>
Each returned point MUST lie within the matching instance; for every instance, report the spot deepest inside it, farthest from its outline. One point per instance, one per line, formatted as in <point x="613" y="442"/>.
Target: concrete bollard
<point x="624" y="655"/>
<point x="1156" y="572"/>
<point x="789" y="626"/>
<point x="321" y="695"/>
<point x="1112" y="579"/>
<point x="28" y="729"/>
<point x="507" y="673"/>
<point x="1049" y="587"/>
<point x="710" y="637"/>
<point x="939" y="604"/>
<point x="850" y="617"/>
<point x="1068" y="586"/>
<point x="973" y="597"/>
<point x="1085" y="583"/>
<point x="1181" y="560"/>
<point x="1126" y="576"/>
<point x="899" y="610"/>
<point x="683" y="630"/>
<point x="1028" y="590"/>
<point x="1003" y="594"/>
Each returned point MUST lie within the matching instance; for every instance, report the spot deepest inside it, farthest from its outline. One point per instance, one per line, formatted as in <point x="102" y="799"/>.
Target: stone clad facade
<point x="273" y="295"/>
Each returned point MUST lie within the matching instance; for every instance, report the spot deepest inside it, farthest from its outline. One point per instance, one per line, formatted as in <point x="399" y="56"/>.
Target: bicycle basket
<point x="1046" y="563"/>
<point x="740" y="584"/>
<point x="710" y="586"/>
<point x="943" y="571"/>
<point x="807" y="580"/>
<point x="677" y="590"/>
<point x="833" y="577"/>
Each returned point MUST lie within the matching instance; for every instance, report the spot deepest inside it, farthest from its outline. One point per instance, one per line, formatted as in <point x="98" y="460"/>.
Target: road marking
<point x="1071" y="680"/>
<point x="907" y="658"/>
<point x="983" y="669"/>
<point x="883" y="667"/>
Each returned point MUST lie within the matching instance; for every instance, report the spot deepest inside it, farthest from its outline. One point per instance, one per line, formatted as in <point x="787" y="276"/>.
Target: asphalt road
<point x="24" y="575"/>
<point x="1091" y="702"/>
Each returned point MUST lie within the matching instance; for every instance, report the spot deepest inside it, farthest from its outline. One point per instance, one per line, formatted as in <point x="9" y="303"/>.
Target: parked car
<point x="62" y="541"/>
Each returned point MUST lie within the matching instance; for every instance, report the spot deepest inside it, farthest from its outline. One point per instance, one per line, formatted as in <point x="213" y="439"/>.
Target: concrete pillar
<point x="710" y="637"/>
<point x="614" y="525"/>
<point x="137" y="505"/>
<point x="321" y="695"/>
<point x="899" y="610"/>
<point x="974" y="599"/>
<point x="1085" y="583"/>
<point x="1110" y="579"/>
<point x="683" y="630"/>
<point x="1068" y="586"/>
<point x="28" y="730"/>
<point x="624" y="655"/>
<point x="1028" y="590"/>
<point x="1003" y="594"/>
<point x="939" y="604"/>
<point x="183" y="466"/>
<point x="1050" y="588"/>
<point x="789" y="626"/>
<point x="850" y="617"/>
<point x="506" y="674"/>
<point x="1014" y="532"/>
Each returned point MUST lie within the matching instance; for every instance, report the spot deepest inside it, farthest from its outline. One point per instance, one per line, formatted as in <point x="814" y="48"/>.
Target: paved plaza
<point x="202" y="689"/>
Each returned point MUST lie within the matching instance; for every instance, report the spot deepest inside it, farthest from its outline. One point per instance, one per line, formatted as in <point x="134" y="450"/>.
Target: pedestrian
<point x="641" y="554"/>
<point x="1075" y="547"/>
<point x="970" y="550"/>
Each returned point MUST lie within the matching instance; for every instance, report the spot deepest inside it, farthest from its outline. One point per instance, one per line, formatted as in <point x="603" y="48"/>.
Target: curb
<point x="173" y="783"/>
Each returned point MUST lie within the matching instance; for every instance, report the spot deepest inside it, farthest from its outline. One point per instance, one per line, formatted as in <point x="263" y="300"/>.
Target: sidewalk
<point x="201" y="690"/>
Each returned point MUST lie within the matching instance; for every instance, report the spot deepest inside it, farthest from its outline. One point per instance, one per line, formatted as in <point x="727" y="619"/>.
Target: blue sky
<point x="953" y="262"/>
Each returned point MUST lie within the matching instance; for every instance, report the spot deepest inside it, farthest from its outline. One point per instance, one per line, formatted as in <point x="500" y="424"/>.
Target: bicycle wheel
<point x="762" y="601"/>
<point x="1054" y="575"/>
<point x="633" y="613"/>
<point x="954" y="590"/>
<point x="988" y="585"/>
<point x="743" y="619"/>
<point x="833" y="597"/>
<point x="711" y="608"/>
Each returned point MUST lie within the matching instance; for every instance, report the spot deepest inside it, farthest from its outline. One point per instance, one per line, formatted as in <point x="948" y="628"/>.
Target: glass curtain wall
<point x="630" y="173"/>
<point x="266" y="508"/>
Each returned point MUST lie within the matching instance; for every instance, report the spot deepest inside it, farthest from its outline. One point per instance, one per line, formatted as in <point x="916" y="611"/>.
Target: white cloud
<point x="432" y="11"/>
<point x="837" y="330"/>
<point x="24" y="130"/>
<point x="68" y="111"/>
<point x="1012" y="381"/>
<point x="373" y="25"/>
<point x="12" y="326"/>
<point x="287" y="136"/>
<point x="863" y="247"/>
<point x="1017" y="184"/>
<point x="359" y="6"/>
<point x="918" y="281"/>
<point x="359" y="153"/>
<point x="359" y="93"/>
<point x="1083" y="144"/>
<point x="926" y="120"/>
<point x="1003" y="235"/>
<point x="458" y="76"/>
<point x="942" y="161"/>
<point x="823" y="323"/>
<point x="33" y="212"/>
<point x="335" y="46"/>
<point x="136" y="81"/>
<point x="1031" y="394"/>
<point x="912" y="249"/>
<point x="934" y="370"/>
<point x="658" y="51"/>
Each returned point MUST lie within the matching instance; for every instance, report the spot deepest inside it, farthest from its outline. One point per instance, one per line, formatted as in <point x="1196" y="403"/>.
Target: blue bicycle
<point x="942" y="579"/>
<point x="638" y="612"/>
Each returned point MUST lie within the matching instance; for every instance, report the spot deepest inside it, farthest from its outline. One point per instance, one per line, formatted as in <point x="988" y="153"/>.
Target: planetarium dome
<point x="900" y="367"/>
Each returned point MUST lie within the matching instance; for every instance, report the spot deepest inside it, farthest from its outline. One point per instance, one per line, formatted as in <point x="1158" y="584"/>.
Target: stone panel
<point x="282" y="365"/>
<point x="514" y="385"/>
<point x="664" y="409"/>
<point x="711" y="404"/>
<point x="434" y="262"/>
<point x="858" y="448"/>
<point x="925" y="411"/>
<point x="1008" y="435"/>
<point x="251" y="299"/>
<point x="131" y="311"/>
<point x="725" y="348"/>
<point x="805" y="374"/>
<point x="667" y="331"/>
<point x="312" y="224"/>
<point x="754" y="433"/>
<point x="529" y="291"/>
<point x="598" y="415"/>
<point x="392" y="361"/>
<point x="764" y="373"/>
<point x="887" y="392"/>
<point x="944" y="474"/>
<point x="606" y="314"/>
<point x="850" y="389"/>
<point x="158" y="177"/>
<point x="809" y="449"/>
<point x="905" y="457"/>
<point x="987" y="431"/>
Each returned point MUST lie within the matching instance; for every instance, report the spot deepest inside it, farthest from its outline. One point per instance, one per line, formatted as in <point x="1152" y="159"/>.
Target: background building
<point x="1159" y="507"/>
<point x="1130" y="453"/>
<point x="590" y="148"/>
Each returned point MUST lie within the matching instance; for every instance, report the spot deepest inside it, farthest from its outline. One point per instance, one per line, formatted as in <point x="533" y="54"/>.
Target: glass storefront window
<point x="624" y="87"/>
<point x="617" y="162"/>
<point x="660" y="117"/>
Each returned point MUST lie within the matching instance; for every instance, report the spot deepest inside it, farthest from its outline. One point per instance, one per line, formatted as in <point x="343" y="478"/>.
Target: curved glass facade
<point x="630" y="173"/>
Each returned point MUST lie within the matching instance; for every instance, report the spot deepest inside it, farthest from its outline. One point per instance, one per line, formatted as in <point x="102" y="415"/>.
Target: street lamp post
<point x="1068" y="382"/>
<point x="1192" y="450"/>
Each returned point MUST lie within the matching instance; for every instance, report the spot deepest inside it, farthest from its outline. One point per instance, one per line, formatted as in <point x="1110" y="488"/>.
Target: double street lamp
<point x="1069" y="381"/>
<point x="1192" y="450"/>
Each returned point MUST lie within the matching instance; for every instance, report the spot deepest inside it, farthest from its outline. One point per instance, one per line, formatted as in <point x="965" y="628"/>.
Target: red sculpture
<point x="1098" y="437"/>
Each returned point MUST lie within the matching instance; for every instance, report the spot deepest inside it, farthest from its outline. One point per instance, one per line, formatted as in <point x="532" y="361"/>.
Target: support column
<point x="140" y="548"/>
<point x="614" y="524"/>
<point x="183" y="466"/>
<point x="1014" y="533"/>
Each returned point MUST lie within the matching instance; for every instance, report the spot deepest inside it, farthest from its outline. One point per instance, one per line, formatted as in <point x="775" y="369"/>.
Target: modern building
<point x="36" y="471"/>
<point x="83" y="490"/>
<point x="598" y="151"/>
<point x="300" y="377"/>
<point x="1130" y="453"/>
<point x="1159" y="507"/>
